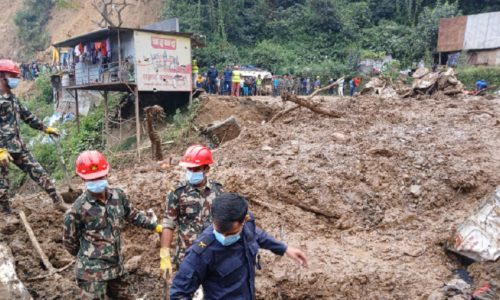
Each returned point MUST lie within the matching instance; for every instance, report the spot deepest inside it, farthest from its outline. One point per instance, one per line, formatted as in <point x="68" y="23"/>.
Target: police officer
<point x="224" y="257"/>
<point x="12" y="147"/>
<point x="212" y="74"/>
<point x="228" y="74"/>
<point x="188" y="206"/>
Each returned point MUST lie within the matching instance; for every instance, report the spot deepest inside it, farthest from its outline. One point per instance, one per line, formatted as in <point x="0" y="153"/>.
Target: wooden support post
<point x="190" y="99"/>
<point x="137" y="122"/>
<point x="439" y="58"/>
<point x="119" y="58"/>
<point x="77" y="113"/>
<point x="106" y="121"/>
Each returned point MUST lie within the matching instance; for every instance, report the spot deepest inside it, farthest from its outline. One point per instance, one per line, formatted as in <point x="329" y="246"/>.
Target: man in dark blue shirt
<point x="212" y="74"/>
<point x="224" y="257"/>
<point x="228" y="74"/>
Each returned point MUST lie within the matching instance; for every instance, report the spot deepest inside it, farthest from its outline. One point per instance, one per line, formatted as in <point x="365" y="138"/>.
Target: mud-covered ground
<point x="393" y="178"/>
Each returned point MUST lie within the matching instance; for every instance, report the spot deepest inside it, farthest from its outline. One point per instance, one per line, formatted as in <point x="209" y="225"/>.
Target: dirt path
<point x="385" y="239"/>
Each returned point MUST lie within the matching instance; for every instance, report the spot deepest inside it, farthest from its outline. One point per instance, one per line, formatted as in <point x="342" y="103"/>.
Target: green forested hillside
<point x="316" y="36"/>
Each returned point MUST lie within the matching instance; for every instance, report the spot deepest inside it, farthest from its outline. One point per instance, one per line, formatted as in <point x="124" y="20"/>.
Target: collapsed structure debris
<point x="220" y="132"/>
<point x="477" y="237"/>
<point x="425" y="83"/>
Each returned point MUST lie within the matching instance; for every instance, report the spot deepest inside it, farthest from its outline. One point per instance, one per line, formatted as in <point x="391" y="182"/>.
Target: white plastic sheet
<point x="478" y="237"/>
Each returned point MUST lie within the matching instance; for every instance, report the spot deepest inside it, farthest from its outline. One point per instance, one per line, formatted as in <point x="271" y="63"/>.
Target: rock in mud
<point x="133" y="264"/>
<point x="338" y="136"/>
<point x="415" y="190"/>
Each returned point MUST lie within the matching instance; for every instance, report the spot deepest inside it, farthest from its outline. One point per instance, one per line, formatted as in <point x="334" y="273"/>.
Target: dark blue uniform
<point x="228" y="78"/>
<point x="225" y="272"/>
<point x="212" y="74"/>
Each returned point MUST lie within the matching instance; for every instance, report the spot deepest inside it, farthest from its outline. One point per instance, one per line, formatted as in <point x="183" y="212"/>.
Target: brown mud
<point x="395" y="177"/>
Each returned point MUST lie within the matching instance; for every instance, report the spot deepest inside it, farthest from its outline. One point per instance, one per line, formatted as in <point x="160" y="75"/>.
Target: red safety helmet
<point x="91" y="164"/>
<point x="9" y="66"/>
<point x="196" y="156"/>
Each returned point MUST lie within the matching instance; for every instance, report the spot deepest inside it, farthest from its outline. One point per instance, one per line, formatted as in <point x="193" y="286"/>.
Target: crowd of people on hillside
<point x="32" y="69"/>
<point x="232" y="82"/>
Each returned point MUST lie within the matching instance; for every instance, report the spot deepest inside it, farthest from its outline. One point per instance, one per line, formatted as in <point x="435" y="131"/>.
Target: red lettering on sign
<point x="163" y="43"/>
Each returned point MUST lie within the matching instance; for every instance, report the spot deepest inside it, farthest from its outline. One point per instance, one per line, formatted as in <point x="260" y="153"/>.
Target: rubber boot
<point x="59" y="204"/>
<point x="6" y="208"/>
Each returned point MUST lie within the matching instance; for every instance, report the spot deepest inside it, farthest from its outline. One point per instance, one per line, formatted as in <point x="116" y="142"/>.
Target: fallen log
<point x="265" y="204"/>
<point x="284" y="112"/>
<point x="10" y="285"/>
<point x="313" y="209"/>
<point x="287" y="96"/>
<point x="326" y="88"/>
<point x="45" y="259"/>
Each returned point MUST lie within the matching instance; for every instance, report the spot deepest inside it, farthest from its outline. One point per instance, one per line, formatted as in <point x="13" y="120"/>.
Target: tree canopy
<point x="295" y="36"/>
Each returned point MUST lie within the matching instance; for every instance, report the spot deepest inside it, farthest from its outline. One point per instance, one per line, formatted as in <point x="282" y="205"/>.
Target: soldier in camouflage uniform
<point x="12" y="147"/>
<point x="188" y="206"/>
<point x="289" y="84"/>
<point x="297" y="86"/>
<point x="281" y="85"/>
<point x="92" y="232"/>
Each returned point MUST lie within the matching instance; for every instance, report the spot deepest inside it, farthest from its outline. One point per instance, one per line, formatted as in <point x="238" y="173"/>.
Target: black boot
<point x="6" y="207"/>
<point x="58" y="204"/>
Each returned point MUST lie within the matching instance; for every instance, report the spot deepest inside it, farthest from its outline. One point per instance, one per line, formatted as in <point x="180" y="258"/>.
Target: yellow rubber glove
<point x="158" y="228"/>
<point x="53" y="131"/>
<point x="5" y="158"/>
<point x="165" y="264"/>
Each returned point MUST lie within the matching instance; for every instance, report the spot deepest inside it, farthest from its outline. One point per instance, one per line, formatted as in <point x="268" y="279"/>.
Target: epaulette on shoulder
<point x="116" y="192"/>
<point x="203" y="243"/>
<point x="216" y="182"/>
<point x="178" y="186"/>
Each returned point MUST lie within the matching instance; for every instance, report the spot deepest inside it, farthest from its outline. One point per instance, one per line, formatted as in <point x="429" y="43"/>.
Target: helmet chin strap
<point x="6" y="83"/>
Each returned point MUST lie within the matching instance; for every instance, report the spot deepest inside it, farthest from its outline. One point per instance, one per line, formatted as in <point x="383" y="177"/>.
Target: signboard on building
<point x="163" y="62"/>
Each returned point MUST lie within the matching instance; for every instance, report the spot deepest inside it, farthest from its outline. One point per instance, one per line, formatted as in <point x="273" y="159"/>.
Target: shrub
<point x="470" y="75"/>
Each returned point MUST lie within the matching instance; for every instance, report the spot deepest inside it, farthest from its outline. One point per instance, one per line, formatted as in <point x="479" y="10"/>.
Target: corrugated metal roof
<point x="101" y="34"/>
<point x="451" y="34"/>
<point x="474" y="32"/>
<point x="483" y="31"/>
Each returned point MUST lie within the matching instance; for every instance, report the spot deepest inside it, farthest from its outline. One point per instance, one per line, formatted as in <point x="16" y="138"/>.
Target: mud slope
<point x="65" y="23"/>
<point x="380" y="241"/>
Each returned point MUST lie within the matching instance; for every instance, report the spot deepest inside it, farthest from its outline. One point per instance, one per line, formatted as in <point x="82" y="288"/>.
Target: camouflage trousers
<point x="28" y="164"/>
<point x="118" y="288"/>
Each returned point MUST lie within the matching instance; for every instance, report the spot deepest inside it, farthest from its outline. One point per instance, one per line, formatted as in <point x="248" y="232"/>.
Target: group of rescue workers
<point x="217" y="242"/>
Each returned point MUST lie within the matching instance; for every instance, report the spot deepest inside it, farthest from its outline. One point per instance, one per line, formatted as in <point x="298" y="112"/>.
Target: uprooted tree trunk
<point x="286" y="96"/>
<point x="106" y="9"/>
<point x="152" y="113"/>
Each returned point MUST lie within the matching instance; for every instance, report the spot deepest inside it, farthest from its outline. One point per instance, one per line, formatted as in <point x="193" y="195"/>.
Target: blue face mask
<point x="13" y="82"/>
<point x="226" y="240"/>
<point x="194" y="178"/>
<point x="96" y="186"/>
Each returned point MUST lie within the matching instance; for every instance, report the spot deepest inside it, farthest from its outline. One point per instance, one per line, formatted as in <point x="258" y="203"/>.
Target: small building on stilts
<point x="146" y="63"/>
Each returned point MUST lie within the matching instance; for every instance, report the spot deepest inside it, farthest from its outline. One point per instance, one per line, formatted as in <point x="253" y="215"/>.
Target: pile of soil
<point x="394" y="179"/>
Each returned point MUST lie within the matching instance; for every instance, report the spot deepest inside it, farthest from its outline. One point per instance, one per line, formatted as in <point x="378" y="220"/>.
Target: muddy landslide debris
<point x="375" y="240"/>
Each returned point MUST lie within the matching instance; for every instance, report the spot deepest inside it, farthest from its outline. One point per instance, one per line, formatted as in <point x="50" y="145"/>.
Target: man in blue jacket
<point x="481" y="85"/>
<point x="224" y="257"/>
<point x="212" y="74"/>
